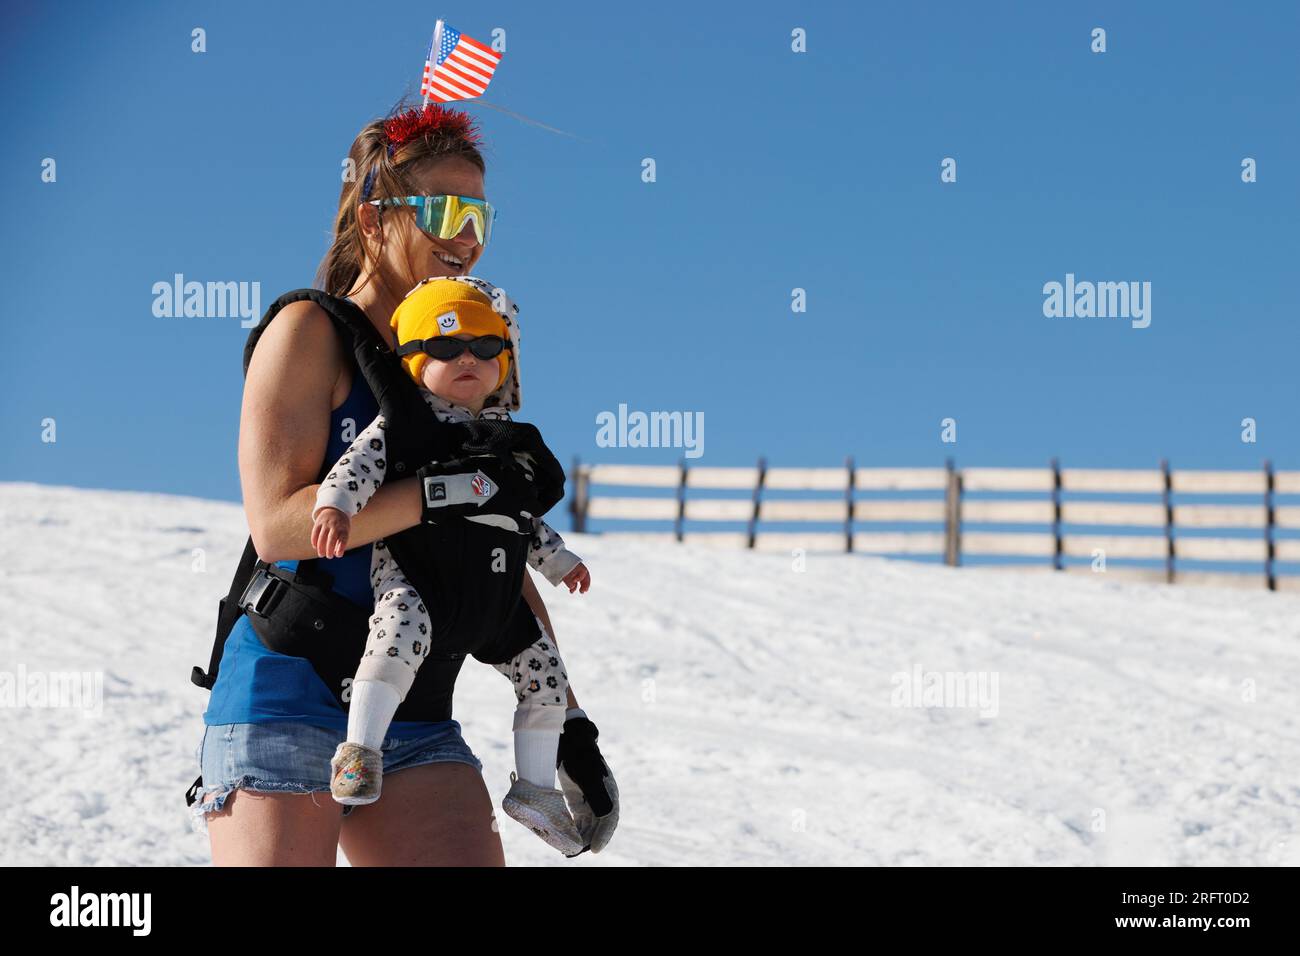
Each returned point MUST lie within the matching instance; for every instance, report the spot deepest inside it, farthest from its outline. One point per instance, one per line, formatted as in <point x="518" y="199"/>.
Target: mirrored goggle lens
<point x="485" y="347"/>
<point x="445" y="217"/>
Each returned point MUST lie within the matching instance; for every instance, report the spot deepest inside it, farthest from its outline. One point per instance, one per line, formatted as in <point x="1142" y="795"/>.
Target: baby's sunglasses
<point x="446" y="347"/>
<point x="444" y="216"/>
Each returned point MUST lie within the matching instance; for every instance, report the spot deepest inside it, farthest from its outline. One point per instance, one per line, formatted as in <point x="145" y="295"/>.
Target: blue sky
<point x="775" y="171"/>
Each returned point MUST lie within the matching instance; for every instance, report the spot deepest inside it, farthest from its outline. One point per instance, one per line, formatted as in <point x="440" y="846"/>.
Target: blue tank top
<point x="255" y="684"/>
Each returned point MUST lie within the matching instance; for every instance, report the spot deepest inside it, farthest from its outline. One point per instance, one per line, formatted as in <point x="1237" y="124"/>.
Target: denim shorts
<point x="294" y="757"/>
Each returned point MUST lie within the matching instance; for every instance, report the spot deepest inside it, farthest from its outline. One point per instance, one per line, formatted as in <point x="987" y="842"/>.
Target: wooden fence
<point x="1046" y="517"/>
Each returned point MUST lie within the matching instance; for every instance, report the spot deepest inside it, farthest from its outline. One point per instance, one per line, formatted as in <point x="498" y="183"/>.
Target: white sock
<point x="535" y="756"/>
<point x="370" y="711"/>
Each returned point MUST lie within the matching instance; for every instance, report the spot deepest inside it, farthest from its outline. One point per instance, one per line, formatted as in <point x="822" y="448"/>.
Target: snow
<point x="747" y="708"/>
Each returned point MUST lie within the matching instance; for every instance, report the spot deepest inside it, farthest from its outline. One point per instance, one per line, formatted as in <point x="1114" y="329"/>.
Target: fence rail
<point x="1058" y="516"/>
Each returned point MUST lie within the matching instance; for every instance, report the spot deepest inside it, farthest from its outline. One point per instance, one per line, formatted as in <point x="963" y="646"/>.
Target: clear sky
<point x="775" y="170"/>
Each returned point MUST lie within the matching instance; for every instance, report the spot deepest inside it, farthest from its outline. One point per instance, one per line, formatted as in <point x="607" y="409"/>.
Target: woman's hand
<point x="329" y="533"/>
<point x="579" y="578"/>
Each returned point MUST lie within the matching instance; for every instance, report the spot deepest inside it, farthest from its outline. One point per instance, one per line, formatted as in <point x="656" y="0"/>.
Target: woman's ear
<point x="368" y="220"/>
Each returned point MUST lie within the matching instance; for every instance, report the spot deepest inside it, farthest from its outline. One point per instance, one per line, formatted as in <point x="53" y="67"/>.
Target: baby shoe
<point x="545" y="813"/>
<point x="358" y="773"/>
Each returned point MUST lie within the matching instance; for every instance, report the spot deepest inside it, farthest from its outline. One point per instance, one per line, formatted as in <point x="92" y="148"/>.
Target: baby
<point x="466" y="371"/>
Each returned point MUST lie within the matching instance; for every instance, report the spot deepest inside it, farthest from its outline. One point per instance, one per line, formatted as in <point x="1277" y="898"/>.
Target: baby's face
<point x="464" y="380"/>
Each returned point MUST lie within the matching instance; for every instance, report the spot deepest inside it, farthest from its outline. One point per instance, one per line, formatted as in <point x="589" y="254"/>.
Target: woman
<point x="271" y="723"/>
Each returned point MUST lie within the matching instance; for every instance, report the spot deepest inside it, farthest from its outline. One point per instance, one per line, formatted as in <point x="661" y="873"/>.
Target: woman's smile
<point x="451" y="263"/>
<point x="455" y="257"/>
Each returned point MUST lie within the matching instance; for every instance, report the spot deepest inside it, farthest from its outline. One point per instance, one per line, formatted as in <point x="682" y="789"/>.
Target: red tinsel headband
<point x="420" y="121"/>
<point x="417" y="122"/>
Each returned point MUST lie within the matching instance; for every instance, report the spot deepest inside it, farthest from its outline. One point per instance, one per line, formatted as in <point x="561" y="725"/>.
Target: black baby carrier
<point x="469" y="574"/>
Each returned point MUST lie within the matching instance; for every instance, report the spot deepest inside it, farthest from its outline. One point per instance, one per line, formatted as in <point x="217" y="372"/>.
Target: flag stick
<point x="435" y="47"/>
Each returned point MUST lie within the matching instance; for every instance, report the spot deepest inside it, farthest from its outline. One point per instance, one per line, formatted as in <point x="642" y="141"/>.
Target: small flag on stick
<point x="457" y="67"/>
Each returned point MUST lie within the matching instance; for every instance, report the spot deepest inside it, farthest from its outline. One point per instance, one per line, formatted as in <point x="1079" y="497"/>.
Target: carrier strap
<point x="228" y="611"/>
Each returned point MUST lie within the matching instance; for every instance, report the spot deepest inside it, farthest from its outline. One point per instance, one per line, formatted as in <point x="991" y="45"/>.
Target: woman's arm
<point x="534" y="601"/>
<point x="283" y="434"/>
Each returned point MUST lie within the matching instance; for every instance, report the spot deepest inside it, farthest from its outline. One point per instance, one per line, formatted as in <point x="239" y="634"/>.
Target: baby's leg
<point x="397" y="643"/>
<point x="541" y="691"/>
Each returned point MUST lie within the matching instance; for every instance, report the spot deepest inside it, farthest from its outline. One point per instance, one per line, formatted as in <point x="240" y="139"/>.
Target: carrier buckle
<point x="260" y="593"/>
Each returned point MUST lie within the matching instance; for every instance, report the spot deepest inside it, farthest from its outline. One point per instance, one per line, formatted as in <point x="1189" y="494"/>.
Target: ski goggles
<point x="446" y="347"/>
<point x="443" y="216"/>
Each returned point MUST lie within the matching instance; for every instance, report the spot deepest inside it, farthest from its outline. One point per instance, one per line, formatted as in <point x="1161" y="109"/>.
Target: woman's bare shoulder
<point x="300" y="345"/>
<point x="304" y="322"/>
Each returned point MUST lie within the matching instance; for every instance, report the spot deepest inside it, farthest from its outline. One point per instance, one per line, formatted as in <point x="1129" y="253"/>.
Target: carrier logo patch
<point x="448" y="323"/>
<point x="481" y="487"/>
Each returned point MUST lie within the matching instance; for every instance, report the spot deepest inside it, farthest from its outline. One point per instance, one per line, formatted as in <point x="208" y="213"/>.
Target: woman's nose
<point x="467" y="235"/>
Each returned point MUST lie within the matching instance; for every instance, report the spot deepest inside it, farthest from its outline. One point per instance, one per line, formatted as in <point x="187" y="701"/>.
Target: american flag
<point x="459" y="69"/>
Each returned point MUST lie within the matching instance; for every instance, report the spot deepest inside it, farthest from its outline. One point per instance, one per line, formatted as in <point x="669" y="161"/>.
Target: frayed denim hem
<point x="200" y="810"/>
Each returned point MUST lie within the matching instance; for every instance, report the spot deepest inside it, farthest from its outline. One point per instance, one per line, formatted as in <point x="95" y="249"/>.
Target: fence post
<point x="1270" y="571"/>
<point x="848" y="506"/>
<point x="952" y="517"/>
<point x="681" y="500"/>
<point x="1057" y="564"/>
<point x="578" y="505"/>
<point x="1167" y="500"/>
<point x="758" y="497"/>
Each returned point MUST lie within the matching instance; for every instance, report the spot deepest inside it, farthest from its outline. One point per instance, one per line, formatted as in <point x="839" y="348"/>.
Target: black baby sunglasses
<point x="446" y="347"/>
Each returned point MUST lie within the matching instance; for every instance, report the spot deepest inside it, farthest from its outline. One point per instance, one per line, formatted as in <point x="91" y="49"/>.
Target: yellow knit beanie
<point x="446" y="307"/>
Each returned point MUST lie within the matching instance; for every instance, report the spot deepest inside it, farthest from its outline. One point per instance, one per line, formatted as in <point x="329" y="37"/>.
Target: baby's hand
<point x="329" y="533"/>
<point x="579" y="578"/>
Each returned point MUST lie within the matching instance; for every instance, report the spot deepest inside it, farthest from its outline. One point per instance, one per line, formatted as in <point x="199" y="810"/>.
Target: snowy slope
<point x="745" y="707"/>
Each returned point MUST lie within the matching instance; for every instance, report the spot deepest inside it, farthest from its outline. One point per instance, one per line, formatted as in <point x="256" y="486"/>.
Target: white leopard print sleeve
<point x="549" y="555"/>
<point x="357" y="475"/>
